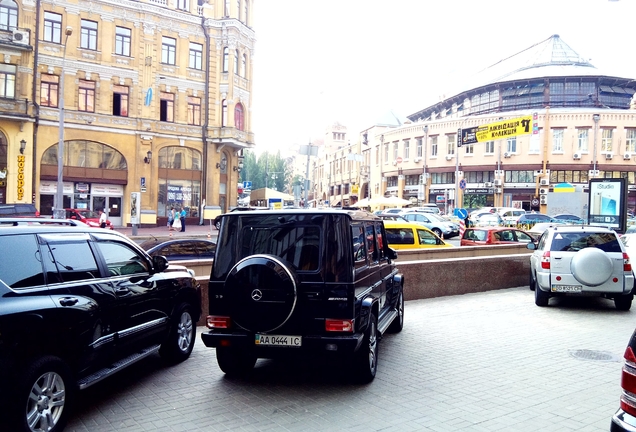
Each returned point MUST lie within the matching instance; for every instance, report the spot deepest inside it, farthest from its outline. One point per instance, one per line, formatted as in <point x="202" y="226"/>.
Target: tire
<point x="533" y="282"/>
<point x="43" y="398"/>
<point x="398" y="322"/>
<point x="262" y="293"/>
<point x="541" y="298"/>
<point x="234" y="361"/>
<point x="180" y="342"/>
<point x="438" y="232"/>
<point x="623" y="302"/>
<point x="365" y="361"/>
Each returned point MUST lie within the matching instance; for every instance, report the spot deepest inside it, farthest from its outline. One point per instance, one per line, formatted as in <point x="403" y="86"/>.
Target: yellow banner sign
<point x="504" y="129"/>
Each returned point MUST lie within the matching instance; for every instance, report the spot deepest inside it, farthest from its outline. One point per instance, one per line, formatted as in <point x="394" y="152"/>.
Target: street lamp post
<point x="59" y="197"/>
<point x="596" y="118"/>
<point x="424" y="179"/>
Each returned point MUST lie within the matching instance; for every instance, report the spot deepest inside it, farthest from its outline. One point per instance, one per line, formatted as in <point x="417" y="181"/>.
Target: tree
<point x="255" y="169"/>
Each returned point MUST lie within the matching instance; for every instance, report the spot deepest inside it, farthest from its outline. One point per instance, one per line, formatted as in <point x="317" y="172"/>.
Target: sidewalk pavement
<point x="191" y="231"/>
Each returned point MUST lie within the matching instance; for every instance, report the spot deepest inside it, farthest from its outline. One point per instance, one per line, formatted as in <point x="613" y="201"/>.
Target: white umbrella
<point x="389" y="201"/>
<point x="365" y="202"/>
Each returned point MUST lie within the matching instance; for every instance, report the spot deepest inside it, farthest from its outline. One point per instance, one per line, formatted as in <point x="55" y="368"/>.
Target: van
<point x="510" y="215"/>
<point x="18" y="210"/>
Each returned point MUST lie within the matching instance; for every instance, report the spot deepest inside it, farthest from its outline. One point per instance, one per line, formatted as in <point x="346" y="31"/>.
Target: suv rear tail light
<point x="339" y="325"/>
<point x="628" y="383"/>
<point x="218" y="322"/>
<point x="627" y="264"/>
<point x="545" y="260"/>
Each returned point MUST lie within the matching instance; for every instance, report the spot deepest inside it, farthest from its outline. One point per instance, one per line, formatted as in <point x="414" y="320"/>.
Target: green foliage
<point x="255" y="169"/>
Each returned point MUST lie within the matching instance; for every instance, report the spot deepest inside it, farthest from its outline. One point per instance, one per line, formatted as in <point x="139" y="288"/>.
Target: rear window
<point x="572" y="242"/>
<point x="300" y="245"/>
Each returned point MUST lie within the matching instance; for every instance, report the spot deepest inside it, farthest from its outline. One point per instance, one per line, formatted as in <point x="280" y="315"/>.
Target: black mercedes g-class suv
<point x="302" y="281"/>
<point x="78" y="304"/>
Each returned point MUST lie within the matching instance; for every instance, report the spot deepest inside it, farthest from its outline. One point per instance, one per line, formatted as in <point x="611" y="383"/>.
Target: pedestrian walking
<point x="182" y="217"/>
<point x="102" y="218"/>
<point x="170" y="218"/>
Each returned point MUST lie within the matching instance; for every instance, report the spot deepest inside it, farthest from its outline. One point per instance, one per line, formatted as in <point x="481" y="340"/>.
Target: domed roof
<point x="550" y="57"/>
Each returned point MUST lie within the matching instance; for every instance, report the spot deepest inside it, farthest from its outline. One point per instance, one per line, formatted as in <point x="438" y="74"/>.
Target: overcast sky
<point x="351" y="61"/>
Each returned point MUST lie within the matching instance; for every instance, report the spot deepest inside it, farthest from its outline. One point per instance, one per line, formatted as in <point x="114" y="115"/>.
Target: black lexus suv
<point x="78" y="304"/>
<point x="302" y="281"/>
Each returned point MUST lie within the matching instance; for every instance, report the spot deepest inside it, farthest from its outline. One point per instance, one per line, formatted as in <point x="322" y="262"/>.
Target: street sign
<point x="247" y="186"/>
<point x="398" y="160"/>
<point x="462" y="184"/>
<point x="143" y="184"/>
<point x="462" y="213"/>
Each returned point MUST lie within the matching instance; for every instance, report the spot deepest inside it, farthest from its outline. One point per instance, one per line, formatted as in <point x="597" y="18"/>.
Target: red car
<point x="480" y="236"/>
<point x="89" y="217"/>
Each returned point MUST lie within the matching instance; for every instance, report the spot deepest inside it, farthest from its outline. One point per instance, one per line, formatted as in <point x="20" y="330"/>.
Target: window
<point x="606" y="140"/>
<point x="224" y="113"/>
<point x="49" y="89"/>
<point x="244" y="66"/>
<point x="21" y="268"/>
<point x="386" y="153"/>
<point x="511" y="145"/>
<point x="240" y="11"/>
<point x="433" y="146"/>
<point x="395" y="151"/>
<point x="86" y="100"/>
<point x="236" y="62"/>
<point x="407" y="149"/>
<point x="489" y="147"/>
<point x="239" y="119"/>
<point x="7" y="80"/>
<point x="83" y="266"/>
<point x="8" y="15"/>
<point x="557" y="140"/>
<point x="451" y="142"/>
<point x="196" y="56"/>
<point x="418" y="147"/>
<point x="121" y="260"/>
<point x="120" y="100"/>
<point x="166" y="107"/>
<point x="194" y="111"/>
<point x="246" y="11"/>
<point x="359" y="251"/>
<point x="226" y="9"/>
<point x="168" y="50"/>
<point x="183" y="5"/>
<point x="88" y="35"/>
<point x="630" y="140"/>
<point x="122" y="41"/>
<point x="52" y="27"/>
<point x="226" y="59"/>
<point x="582" y="139"/>
<point x="469" y="148"/>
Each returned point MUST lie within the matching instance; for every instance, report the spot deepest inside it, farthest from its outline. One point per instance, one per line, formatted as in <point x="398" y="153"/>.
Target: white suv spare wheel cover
<point x="591" y="266"/>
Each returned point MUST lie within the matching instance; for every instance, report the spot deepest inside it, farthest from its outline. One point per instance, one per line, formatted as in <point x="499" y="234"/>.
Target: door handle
<point x="68" y="301"/>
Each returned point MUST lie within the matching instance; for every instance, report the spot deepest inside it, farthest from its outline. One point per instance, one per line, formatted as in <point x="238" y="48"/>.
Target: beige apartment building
<point x="155" y="97"/>
<point x="583" y="126"/>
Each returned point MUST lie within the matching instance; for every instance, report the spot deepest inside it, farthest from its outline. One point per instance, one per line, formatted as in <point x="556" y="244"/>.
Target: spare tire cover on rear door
<point x="591" y="266"/>
<point x="263" y="292"/>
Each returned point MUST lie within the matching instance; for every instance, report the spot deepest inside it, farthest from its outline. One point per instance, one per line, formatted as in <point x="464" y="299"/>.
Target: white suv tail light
<point x="628" y="383"/>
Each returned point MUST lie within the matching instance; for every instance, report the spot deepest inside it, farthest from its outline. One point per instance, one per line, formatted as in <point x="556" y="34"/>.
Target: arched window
<point x="8" y="15"/>
<point x="87" y="154"/>
<point x="244" y="66"/>
<point x="236" y="62"/>
<point x="226" y="59"/>
<point x="239" y="119"/>
<point x="224" y="113"/>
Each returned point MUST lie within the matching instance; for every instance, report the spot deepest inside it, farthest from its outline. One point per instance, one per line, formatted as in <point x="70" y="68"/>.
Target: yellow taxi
<point x="407" y="235"/>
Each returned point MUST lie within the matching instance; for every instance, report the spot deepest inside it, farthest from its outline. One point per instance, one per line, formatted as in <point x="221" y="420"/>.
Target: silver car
<point x="441" y="227"/>
<point x="583" y="260"/>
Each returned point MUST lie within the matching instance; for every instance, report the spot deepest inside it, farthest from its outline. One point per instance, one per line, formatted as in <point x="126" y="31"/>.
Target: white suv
<point x="581" y="260"/>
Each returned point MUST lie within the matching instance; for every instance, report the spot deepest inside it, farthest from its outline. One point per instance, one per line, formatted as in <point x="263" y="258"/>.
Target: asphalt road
<point x="490" y="361"/>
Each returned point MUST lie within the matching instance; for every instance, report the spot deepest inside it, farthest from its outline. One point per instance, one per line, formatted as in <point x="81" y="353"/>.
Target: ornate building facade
<point x="155" y="97"/>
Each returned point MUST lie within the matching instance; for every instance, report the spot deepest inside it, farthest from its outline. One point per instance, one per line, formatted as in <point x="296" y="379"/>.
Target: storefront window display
<point x="179" y="194"/>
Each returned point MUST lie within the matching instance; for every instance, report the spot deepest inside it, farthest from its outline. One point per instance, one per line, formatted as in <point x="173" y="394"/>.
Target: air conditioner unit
<point x="497" y="182"/>
<point x="449" y="157"/>
<point x="417" y="159"/>
<point x="20" y="37"/>
<point x="627" y="156"/>
<point x="507" y="155"/>
<point x="543" y="199"/>
<point x="576" y="156"/>
<point x="543" y="191"/>
<point x="498" y="190"/>
<point x="609" y="156"/>
<point x="488" y="184"/>
<point x="544" y="182"/>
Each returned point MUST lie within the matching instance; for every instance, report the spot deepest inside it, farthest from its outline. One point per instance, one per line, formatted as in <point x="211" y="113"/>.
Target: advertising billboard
<point x="607" y="203"/>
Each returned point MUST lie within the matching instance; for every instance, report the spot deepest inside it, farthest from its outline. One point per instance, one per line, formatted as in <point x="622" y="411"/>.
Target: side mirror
<point x="531" y="246"/>
<point x="160" y="263"/>
<point x="391" y="254"/>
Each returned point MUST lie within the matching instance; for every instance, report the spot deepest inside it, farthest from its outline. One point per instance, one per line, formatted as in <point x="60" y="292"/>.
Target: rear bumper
<point x="337" y="344"/>
<point x="623" y="422"/>
<point x="543" y="281"/>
